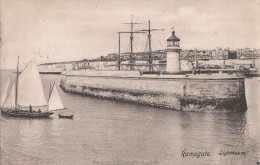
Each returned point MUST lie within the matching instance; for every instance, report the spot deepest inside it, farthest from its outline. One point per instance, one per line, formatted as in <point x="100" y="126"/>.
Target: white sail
<point x="4" y="91"/>
<point x="10" y="98"/>
<point x="30" y="90"/>
<point x="55" y="101"/>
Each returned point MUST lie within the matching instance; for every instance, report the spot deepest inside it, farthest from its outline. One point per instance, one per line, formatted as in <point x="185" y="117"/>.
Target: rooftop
<point x="173" y="37"/>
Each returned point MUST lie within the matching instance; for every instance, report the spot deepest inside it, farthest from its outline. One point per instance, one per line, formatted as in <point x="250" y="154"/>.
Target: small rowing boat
<point x="67" y="116"/>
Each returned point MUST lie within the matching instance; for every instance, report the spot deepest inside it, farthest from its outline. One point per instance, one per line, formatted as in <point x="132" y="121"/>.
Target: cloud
<point x="73" y="30"/>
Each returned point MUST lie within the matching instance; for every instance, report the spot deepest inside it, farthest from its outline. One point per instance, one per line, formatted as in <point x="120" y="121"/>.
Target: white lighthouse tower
<point x="173" y="54"/>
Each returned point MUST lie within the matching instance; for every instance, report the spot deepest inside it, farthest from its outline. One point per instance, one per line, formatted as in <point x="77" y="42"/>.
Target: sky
<point x="58" y="30"/>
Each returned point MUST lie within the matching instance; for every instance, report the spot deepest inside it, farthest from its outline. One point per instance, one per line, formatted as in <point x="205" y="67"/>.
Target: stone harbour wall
<point x="188" y="94"/>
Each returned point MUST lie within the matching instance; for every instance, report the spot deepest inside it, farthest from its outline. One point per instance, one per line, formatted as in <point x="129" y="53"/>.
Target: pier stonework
<point x="190" y="93"/>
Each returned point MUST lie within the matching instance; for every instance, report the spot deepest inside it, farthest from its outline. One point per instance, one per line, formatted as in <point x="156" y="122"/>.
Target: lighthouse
<point x="173" y="54"/>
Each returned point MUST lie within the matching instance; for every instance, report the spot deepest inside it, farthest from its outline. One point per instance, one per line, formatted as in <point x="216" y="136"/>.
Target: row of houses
<point x="190" y="55"/>
<point x="137" y="56"/>
<point x="216" y="54"/>
<point x="111" y="60"/>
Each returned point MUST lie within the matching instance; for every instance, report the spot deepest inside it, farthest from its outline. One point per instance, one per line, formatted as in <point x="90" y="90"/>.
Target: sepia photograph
<point x="130" y="82"/>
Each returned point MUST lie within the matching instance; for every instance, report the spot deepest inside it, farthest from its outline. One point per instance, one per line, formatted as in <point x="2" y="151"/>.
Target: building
<point x="173" y="54"/>
<point x="56" y="67"/>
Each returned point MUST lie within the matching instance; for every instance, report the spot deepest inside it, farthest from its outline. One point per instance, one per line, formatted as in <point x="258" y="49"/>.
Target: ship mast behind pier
<point x="131" y="39"/>
<point x="149" y="30"/>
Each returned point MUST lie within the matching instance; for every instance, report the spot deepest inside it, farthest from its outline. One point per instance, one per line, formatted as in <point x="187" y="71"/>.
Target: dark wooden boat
<point x="67" y="116"/>
<point x="26" y="114"/>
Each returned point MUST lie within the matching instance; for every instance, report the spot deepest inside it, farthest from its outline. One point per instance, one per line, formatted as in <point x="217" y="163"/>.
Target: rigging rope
<point x="153" y="45"/>
<point x="129" y="45"/>
<point x="146" y="45"/>
<point x="135" y="47"/>
<point x="161" y="45"/>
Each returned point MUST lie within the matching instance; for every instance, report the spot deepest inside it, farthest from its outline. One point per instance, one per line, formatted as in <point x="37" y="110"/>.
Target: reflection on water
<point x="109" y="132"/>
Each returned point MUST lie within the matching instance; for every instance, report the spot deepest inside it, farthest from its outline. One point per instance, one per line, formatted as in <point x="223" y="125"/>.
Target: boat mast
<point x="119" y="59"/>
<point x="253" y="59"/>
<point x="150" y="48"/>
<point x="149" y="30"/>
<point x="196" y="59"/>
<point x="49" y="91"/>
<point x="16" y="85"/>
<point x="131" y="40"/>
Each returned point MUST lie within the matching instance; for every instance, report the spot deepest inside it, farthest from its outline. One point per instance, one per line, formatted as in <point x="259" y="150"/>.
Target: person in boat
<point x="30" y="108"/>
<point x="39" y="110"/>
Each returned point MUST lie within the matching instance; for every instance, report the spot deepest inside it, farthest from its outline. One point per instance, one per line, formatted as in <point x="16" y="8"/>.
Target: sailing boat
<point x="26" y="97"/>
<point x="55" y="102"/>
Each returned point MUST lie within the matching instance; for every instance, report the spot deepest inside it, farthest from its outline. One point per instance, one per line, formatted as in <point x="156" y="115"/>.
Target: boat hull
<point x="66" y="116"/>
<point x="24" y="114"/>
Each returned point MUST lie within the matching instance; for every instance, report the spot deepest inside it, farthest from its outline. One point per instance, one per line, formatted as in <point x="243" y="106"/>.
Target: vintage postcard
<point x="130" y="82"/>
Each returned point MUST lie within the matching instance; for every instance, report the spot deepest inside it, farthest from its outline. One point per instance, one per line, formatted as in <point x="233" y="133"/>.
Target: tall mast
<point x="131" y="40"/>
<point x="149" y="30"/>
<point x="253" y="60"/>
<point x="150" y="48"/>
<point x="49" y="91"/>
<point x="196" y="58"/>
<point x="119" y="59"/>
<point x="16" y="85"/>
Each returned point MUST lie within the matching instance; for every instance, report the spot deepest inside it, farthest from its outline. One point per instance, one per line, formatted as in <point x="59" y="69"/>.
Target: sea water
<point x="110" y="132"/>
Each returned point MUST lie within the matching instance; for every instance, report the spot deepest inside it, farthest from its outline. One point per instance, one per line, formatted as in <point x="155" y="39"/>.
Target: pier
<point x="178" y="92"/>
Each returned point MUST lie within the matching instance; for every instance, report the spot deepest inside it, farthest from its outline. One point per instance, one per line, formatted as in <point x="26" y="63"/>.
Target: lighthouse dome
<point x="173" y="41"/>
<point x="173" y="37"/>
